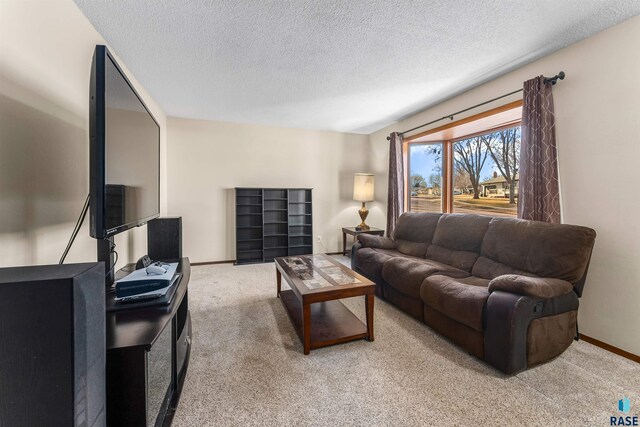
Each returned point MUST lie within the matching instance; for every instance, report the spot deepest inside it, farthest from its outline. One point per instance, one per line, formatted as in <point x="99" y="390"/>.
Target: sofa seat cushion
<point x="407" y="274"/>
<point x="370" y="260"/>
<point x="462" y="300"/>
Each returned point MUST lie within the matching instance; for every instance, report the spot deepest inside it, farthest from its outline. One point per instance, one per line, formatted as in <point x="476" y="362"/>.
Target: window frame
<point x="447" y="149"/>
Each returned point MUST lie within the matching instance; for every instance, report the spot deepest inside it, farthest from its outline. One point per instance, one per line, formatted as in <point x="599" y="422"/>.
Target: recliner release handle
<point x="538" y="307"/>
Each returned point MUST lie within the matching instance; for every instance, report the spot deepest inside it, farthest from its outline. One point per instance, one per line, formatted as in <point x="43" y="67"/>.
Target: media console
<point x="148" y="353"/>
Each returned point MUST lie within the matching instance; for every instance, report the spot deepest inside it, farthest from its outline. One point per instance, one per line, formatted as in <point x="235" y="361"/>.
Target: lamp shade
<point x="363" y="187"/>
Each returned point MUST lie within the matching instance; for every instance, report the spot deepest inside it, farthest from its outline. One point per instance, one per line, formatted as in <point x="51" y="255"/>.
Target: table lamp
<point x="363" y="192"/>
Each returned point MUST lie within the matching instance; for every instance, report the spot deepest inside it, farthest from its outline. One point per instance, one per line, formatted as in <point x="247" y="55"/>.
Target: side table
<point x="353" y="232"/>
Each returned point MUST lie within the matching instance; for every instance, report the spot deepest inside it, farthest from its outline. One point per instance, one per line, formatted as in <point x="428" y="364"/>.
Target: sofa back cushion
<point x="489" y="269"/>
<point x="408" y="247"/>
<point x="462" y="260"/>
<point x="461" y="232"/>
<point x="458" y="239"/>
<point x="414" y="231"/>
<point x="416" y="227"/>
<point x="546" y="250"/>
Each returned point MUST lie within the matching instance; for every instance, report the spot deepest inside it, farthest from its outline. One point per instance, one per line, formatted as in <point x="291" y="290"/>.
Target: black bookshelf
<point x="273" y="222"/>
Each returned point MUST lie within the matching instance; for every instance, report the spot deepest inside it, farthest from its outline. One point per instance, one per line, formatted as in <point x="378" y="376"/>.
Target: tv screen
<point x="125" y="152"/>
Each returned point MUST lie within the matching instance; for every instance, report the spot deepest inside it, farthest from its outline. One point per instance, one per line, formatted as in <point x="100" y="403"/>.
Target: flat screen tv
<point x="124" y="152"/>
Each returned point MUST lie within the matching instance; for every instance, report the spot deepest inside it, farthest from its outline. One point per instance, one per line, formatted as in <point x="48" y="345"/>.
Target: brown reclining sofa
<point x="504" y="289"/>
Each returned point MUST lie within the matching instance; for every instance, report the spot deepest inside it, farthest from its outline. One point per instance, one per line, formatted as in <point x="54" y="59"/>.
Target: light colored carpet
<point x="247" y="368"/>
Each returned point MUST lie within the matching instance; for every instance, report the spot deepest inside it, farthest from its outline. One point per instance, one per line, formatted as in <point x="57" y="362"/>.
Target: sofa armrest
<point x="537" y="287"/>
<point x="378" y="242"/>
<point x="354" y="262"/>
<point x="507" y="320"/>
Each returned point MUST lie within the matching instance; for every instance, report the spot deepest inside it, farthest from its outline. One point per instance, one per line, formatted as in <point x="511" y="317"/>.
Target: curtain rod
<point x="553" y="80"/>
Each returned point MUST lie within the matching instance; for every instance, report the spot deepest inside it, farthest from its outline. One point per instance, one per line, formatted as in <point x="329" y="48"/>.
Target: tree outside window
<point x="484" y="172"/>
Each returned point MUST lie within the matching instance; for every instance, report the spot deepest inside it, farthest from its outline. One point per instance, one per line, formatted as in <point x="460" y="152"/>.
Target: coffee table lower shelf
<point x="331" y="321"/>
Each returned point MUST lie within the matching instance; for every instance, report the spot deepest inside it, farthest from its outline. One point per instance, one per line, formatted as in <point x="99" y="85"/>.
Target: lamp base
<point x="363" y="212"/>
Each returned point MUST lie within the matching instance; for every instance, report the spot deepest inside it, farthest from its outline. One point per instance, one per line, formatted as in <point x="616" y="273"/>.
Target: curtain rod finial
<point x="553" y="80"/>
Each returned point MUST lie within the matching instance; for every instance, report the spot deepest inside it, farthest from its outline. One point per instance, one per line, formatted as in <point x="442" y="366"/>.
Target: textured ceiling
<point x="350" y="65"/>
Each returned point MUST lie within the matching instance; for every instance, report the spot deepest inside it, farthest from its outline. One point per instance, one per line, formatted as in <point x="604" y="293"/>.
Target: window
<point x="425" y="179"/>
<point x="467" y="168"/>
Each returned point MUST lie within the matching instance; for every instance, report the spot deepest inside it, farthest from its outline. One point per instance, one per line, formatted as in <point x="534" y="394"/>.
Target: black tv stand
<point x="148" y="353"/>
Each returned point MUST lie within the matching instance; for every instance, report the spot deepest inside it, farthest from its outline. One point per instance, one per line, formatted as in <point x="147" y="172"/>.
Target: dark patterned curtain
<point x="395" y="195"/>
<point x="538" y="190"/>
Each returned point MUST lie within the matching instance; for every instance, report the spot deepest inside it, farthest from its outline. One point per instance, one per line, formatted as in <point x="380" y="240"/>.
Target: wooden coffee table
<point x="317" y="283"/>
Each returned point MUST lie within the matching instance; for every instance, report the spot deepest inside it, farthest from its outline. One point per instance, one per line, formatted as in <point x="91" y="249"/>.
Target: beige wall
<point x="208" y="159"/>
<point x="45" y="60"/>
<point x="598" y="137"/>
